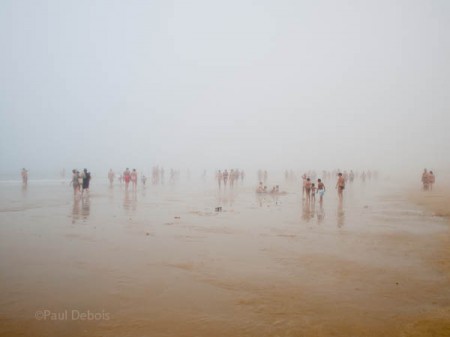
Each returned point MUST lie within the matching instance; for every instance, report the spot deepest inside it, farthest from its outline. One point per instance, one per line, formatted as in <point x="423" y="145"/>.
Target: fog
<point x="223" y="84"/>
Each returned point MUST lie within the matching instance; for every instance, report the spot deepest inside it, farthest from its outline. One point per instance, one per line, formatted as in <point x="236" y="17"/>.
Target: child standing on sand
<point x="313" y="192"/>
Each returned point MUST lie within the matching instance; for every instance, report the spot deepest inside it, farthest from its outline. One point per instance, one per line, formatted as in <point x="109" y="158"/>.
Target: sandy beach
<point x="162" y="262"/>
<point x="436" y="201"/>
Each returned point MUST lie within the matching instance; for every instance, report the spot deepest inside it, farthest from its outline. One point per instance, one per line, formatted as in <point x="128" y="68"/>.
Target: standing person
<point x="80" y="179"/>
<point x="425" y="178"/>
<point x="225" y="178"/>
<point x="24" y="174"/>
<point x="232" y="176"/>
<point x="86" y="180"/>
<point x="219" y="177"/>
<point x="143" y="179"/>
<point x="340" y="185"/>
<point x="75" y="183"/>
<point x="242" y="176"/>
<point x="127" y="177"/>
<point x="303" y="185"/>
<point x="431" y="180"/>
<point x="111" y="176"/>
<point x="308" y="189"/>
<point x="134" y="178"/>
<point x="320" y="190"/>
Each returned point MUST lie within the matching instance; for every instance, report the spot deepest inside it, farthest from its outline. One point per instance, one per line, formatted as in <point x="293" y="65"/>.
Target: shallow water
<point x="162" y="262"/>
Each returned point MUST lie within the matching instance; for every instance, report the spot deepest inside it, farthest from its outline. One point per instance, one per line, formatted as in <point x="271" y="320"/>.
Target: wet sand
<point x="436" y="201"/>
<point x="162" y="262"/>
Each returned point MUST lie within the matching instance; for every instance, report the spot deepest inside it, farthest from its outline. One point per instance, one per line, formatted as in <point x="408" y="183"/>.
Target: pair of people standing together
<point x="130" y="176"/>
<point x="80" y="181"/>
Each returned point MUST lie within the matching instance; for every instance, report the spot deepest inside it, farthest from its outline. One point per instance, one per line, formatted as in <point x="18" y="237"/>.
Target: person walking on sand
<point x="225" y="177"/>
<point x="232" y="175"/>
<point x="219" y="177"/>
<point x="340" y="185"/>
<point x="308" y="190"/>
<point x="303" y="185"/>
<point x="320" y="190"/>
<point x="425" y="179"/>
<point x="75" y="183"/>
<point x="431" y="180"/>
<point x="86" y="181"/>
<point x="24" y="174"/>
<point x="111" y="176"/>
<point x="127" y="177"/>
<point x="80" y="180"/>
<point x="134" y="178"/>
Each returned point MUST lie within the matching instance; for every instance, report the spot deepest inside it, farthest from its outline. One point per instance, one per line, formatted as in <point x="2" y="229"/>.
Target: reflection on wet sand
<point x="225" y="197"/>
<point x="309" y="212"/>
<point x="111" y="193"/>
<point x="24" y="190"/>
<point x="85" y="207"/>
<point x="130" y="203"/>
<point x="81" y="208"/>
<point x="306" y="211"/>
<point x="340" y="214"/>
<point x="267" y="199"/>
<point x="76" y="211"/>
<point x="320" y="214"/>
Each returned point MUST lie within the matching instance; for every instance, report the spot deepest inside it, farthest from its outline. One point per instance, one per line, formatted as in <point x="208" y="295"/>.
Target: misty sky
<point x="221" y="84"/>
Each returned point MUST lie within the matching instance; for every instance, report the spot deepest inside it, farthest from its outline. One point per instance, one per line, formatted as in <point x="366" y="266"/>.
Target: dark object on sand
<point x="218" y="209"/>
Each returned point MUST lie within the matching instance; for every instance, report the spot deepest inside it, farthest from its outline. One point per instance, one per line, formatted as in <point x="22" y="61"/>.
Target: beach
<point x="161" y="261"/>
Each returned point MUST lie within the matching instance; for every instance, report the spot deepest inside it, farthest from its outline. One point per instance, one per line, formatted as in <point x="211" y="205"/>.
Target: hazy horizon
<point x="237" y="84"/>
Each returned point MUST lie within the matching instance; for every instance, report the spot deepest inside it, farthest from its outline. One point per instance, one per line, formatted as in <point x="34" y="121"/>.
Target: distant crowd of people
<point x="231" y="177"/>
<point x="127" y="176"/>
<point x="310" y="188"/>
<point x="291" y="175"/>
<point x="81" y="180"/>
